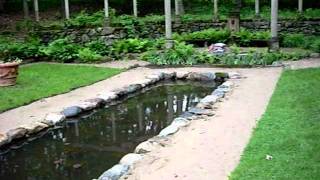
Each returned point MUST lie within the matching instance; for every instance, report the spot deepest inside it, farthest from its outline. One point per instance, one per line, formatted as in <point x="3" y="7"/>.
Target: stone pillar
<point x="106" y="13"/>
<point x="257" y="8"/>
<point x="274" y="42"/>
<point x="135" y="8"/>
<point x="181" y="7"/>
<point x="215" y="11"/>
<point x="300" y="8"/>
<point x="36" y="10"/>
<point x="177" y="11"/>
<point x="26" y="9"/>
<point x="66" y="9"/>
<point x="167" y="9"/>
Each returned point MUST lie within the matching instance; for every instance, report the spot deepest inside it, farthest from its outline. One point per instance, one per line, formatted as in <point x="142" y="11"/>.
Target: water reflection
<point x="84" y="147"/>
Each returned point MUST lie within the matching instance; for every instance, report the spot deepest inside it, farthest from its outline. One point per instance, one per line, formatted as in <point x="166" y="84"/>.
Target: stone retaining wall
<point x="157" y="30"/>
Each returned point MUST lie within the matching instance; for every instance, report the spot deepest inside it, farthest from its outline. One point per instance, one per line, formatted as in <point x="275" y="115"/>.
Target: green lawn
<point x="289" y="132"/>
<point x="37" y="81"/>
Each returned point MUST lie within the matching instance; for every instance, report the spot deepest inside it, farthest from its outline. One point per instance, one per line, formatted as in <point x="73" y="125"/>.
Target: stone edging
<point x="202" y="109"/>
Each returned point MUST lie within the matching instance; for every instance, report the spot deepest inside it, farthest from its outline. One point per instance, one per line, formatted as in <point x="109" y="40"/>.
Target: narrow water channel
<point x="84" y="147"/>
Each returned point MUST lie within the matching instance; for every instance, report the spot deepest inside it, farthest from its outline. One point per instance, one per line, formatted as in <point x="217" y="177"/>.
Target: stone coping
<point x="204" y="108"/>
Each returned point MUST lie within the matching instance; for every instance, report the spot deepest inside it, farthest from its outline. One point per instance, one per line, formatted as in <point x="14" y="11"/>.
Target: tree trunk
<point x="36" y="10"/>
<point x="66" y="9"/>
<point x="167" y="9"/>
<point x="274" y="44"/>
<point x="135" y="8"/>
<point x="25" y="9"/>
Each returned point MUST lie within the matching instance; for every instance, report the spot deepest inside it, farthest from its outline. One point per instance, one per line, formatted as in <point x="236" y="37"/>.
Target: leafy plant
<point x="180" y="54"/>
<point x="211" y="35"/>
<point x="316" y="45"/>
<point x="62" y="50"/>
<point x="130" y="46"/>
<point x="30" y="48"/>
<point x="293" y="40"/>
<point x="87" y="55"/>
<point x="99" y="47"/>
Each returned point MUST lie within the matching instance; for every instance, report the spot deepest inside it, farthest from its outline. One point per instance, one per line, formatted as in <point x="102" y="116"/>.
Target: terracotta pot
<point x="8" y="73"/>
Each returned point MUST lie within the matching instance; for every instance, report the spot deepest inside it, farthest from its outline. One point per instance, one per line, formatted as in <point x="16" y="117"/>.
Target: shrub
<point x="180" y="54"/>
<point x="293" y="40"/>
<point x="315" y="46"/>
<point x="87" y="55"/>
<point x="99" y="47"/>
<point x="211" y="35"/>
<point x="84" y="19"/>
<point x="62" y="50"/>
<point x="30" y="48"/>
<point x="134" y="27"/>
<point x="130" y="46"/>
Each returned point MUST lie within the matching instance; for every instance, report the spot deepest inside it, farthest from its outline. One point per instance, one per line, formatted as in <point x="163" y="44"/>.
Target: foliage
<point x="180" y="54"/>
<point x="211" y="35"/>
<point x="42" y="80"/>
<point x="247" y="38"/>
<point x="87" y="55"/>
<point x="289" y="131"/>
<point x="12" y="49"/>
<point x="99" y="47"/>
<point x="133" y="26"/>
<point x="84" y="19"/>
<point x="130" y="46"/>
<point x="316" y="45"/>
<point x="293" y="40"/>
<point x="62" y="50"/>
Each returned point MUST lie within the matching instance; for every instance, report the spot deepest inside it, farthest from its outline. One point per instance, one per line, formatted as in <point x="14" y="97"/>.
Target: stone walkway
<point x="204" y="150"/>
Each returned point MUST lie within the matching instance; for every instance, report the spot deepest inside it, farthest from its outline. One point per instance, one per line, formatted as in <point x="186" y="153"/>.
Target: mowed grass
<point x="289" y="132"/>
<point x="41" y="80"/>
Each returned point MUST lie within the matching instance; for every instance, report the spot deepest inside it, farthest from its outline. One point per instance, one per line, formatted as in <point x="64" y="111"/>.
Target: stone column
<point x="106" y="13"/>
<point x="66" y="9"/>
<point x="177" y="11"/>
<point x="181" y="7"/>
<point x="300" y="8"/>
<point x="215" y="11"/>
<point x="167" y="9"/>
<point x="257" y="8"/>
<point x="274" y="43"/>
<point x="26" y="9"/>
<point x="135" y="8"/>
<point x="36" y="10"/>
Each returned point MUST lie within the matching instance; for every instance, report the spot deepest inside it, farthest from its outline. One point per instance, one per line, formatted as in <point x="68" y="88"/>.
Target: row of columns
<point x="178" y="11"/>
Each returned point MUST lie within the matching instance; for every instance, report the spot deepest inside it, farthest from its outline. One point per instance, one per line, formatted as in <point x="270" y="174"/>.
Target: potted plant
<point x="9" y="71"/>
